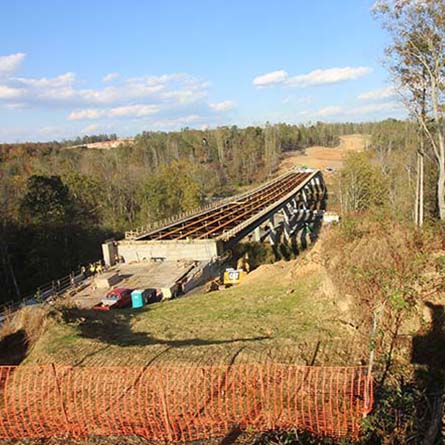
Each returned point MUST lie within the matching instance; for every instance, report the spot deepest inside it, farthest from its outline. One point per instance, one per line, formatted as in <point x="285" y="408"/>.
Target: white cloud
<point x="14" y="106"/>
<point x="379" y="94"/>
<point x="138" y="110"/>
<point x="190" y="118"/>
<point x="314" y="78"/>
<point x="64" y="90"/>
<point x="90" y="129"/>
<point x="226" y="105"/>
<point x="328" y="76"/>
<point x="273" y="78"/>
<point x="305" y="100"/>
<point x="177" y="123"/>
<point x="361" y="110"/>
<point x="90" y="113"/>
<point x="328" y="111"/>
<point x="134" y="111"/>
<point x="64" y="80"/>
<point x="9" y="93"/>
<point x="373" y="108"/>
<point x="172" y="99"/>
<point x="9" y="64"/>
<point x="110" y="77"/>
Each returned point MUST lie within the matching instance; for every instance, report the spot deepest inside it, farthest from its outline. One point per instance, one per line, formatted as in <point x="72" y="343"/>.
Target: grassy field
<point x="276" y="314"/>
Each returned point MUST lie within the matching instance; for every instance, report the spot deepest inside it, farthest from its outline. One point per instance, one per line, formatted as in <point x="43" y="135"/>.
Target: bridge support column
<point x="304" y="201"/>
<point x="257" y="234"/>
<point x="286" y="222"/>
<point x="272" y="237"/>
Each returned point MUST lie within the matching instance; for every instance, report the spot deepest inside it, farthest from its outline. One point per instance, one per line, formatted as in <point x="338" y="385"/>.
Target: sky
<point x="75" y="67"/>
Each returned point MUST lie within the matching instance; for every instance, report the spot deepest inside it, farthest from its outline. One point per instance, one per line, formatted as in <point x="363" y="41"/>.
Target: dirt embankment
<point x="19" y="332"/>
<point x="327" y="159"/>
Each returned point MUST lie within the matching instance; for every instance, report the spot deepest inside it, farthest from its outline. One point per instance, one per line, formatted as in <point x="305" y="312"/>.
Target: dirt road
<point x="327" y="159"/>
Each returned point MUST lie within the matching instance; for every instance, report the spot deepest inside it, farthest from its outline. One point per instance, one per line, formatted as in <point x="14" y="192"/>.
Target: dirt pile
<point x="310" y="263"/>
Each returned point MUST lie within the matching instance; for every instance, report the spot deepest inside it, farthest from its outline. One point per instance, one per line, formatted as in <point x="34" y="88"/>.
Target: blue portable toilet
<point x="137" y="298"/>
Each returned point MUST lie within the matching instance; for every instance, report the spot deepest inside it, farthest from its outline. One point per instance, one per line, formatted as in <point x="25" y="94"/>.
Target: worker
<point x="243" y="263"/>
<point x="99" y="268"/>
<point x="38" y="296"/>
<point x="83" y="271"/>
<point x="92" y="269"/>
<point x="309" y="230"/>
<point x="246" y="264"/>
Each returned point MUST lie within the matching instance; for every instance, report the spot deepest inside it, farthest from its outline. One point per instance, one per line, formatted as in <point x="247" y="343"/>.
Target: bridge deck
<point x="214" y="222"/>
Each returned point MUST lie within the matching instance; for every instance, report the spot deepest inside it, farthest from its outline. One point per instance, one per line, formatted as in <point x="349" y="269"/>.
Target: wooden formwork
<point x="218" y="221"/>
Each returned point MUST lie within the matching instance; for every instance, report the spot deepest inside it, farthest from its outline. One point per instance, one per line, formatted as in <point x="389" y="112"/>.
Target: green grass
<point x="249" y="321"/>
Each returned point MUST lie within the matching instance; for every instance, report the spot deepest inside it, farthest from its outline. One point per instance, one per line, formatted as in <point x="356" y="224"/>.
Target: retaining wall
<point x="202" y="250"/>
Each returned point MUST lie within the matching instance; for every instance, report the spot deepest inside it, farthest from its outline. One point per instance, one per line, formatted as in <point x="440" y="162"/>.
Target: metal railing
<point x="48" y="291"/>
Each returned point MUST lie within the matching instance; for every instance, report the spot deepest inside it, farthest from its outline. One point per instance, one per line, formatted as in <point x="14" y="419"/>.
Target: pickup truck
<point x="115" y="299"/>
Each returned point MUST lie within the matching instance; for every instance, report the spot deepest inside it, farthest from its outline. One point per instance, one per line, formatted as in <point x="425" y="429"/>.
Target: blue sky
<point x="70" y="68"/>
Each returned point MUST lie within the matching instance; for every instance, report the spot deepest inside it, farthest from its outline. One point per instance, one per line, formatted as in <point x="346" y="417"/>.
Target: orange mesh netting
<point x="181" y="403"/>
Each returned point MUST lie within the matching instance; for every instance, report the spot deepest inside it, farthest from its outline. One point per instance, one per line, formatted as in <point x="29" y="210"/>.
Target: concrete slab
<point x="157" y="275"/>
<point x="107" y="280"/>
<point x="154" y="274"/>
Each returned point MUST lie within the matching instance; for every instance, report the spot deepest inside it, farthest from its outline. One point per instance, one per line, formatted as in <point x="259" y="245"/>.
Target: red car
<point x="115" y="299"/>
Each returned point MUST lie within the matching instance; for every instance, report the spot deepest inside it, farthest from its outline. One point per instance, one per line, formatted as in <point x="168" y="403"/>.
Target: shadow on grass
<point x="428" y="351"/>
<point x="114" y="328"/>
<point x="13" y="348"/>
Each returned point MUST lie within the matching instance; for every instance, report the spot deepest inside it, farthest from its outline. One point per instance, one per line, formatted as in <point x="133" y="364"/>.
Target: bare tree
<point x="417" y="61"/>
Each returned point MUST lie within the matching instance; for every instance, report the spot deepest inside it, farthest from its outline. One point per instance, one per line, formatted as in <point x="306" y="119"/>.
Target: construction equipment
<point x="233" y="276"/>
<point x="115" y="299"/>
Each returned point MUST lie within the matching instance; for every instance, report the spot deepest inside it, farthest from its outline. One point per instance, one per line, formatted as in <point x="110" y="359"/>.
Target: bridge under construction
<point x="281" y="207"/>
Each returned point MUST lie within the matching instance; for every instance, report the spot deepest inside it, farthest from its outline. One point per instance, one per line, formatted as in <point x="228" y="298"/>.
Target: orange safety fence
<point x="181" y="403"/>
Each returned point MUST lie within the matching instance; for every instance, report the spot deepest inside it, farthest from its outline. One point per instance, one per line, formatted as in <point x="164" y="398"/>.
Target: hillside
<point x="279" y="309"/>
<point x="327" y="159"/>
